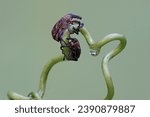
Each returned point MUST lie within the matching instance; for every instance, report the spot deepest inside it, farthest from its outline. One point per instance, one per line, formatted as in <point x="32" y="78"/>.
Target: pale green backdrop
<point x="26" y="45"/>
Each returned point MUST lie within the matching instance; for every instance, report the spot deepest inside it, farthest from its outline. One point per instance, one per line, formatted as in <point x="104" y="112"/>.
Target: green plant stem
<point x="45" y="72"/>
<point x="97" y="46"/>
<point x="95" y="49"/>
<point x="15" y="96"/>
<point x="42" y="85"/>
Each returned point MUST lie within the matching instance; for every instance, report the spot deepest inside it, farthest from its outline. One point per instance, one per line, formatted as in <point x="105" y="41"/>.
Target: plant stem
<point x="95" y="49"/>
<point x="42" y="85"/>
<point x="45" y="72"/>
<point x="104" y="65"/>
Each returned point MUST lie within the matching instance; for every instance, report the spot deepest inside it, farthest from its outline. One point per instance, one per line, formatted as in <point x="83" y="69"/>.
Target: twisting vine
<point x="61" y="32"/>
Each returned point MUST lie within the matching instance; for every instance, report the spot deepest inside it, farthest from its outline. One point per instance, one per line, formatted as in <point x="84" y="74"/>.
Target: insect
<point x="70" y="46"/>
<point x="73" y="49"/>
<point x="63" y="24"/>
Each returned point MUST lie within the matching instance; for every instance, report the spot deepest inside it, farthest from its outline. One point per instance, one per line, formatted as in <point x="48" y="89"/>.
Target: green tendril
<point x="42" y="85"/>
<point x="45" y="72"/>
<point x="95" y="48"/>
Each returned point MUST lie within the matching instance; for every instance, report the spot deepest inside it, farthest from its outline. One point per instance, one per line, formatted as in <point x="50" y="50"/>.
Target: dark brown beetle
<point x="73" y="49"/>
<point x="63" y="24"/>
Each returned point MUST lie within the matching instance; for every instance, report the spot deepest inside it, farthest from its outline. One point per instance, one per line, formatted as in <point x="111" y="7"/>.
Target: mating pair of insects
<point x="70" y="46"/>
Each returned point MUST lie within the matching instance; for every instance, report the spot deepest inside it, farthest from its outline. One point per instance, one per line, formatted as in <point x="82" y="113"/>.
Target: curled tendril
<point x="67" y="25"/>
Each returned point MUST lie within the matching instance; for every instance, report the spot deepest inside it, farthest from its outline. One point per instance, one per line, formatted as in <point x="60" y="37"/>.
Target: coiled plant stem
<point x="42" y="85"/>
<point x="45" y="72"/>
<point x="96" y="46"/>
<point x="95" y="49"/>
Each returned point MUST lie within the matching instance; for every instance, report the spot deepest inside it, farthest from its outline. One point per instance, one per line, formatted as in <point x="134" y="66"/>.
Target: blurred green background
<point x="26" y="45"/>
